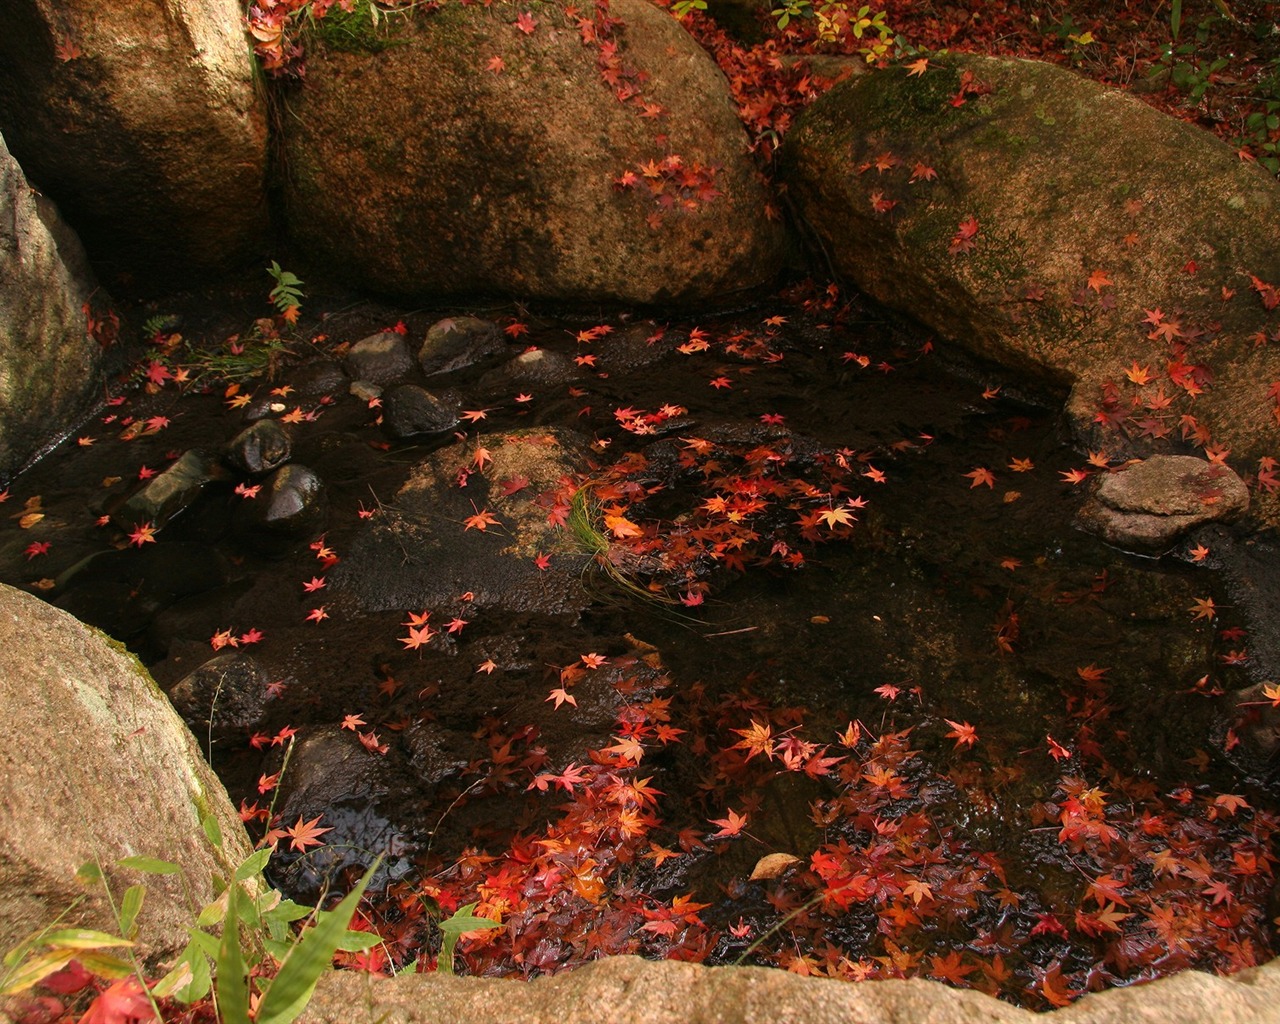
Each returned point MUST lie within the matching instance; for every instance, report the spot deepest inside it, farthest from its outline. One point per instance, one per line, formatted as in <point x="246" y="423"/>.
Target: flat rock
<point x="422" y="553"/>
<point x="380" y="358"/>
<point x="1146" y="506"/>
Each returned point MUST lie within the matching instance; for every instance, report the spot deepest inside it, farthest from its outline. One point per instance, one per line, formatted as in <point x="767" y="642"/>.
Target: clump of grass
<point x="584" y="514"/>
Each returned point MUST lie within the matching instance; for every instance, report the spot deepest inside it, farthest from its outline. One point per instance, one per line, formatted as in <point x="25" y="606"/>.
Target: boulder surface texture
<point x="144" y="122"/>
<point x="628" y="990"/>
<point x="548" y="154"/>
<point x="97" y="766"/>
<point x="50" y="368"/>
<point x="1060" y="228"/>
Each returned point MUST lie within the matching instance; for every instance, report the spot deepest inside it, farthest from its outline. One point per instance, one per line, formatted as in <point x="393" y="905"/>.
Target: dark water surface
<point x="976" y="605"/>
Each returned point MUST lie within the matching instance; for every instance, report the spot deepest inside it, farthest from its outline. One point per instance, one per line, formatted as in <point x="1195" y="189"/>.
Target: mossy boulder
<point x="537" y="153"/>
<point x="1062" y="229"/>
<point x="51" y="369"/>
<point x="144" y="121"/>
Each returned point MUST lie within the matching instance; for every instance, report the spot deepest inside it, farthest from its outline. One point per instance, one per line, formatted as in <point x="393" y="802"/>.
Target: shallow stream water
<point x="1063" y="707"/>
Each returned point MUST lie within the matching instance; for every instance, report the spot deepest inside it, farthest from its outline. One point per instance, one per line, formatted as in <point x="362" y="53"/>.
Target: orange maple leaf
<point x="481" y="521"/>
<point x="305" y="834"/>
<point x="729" y="826"/>
<point x="1098" y="280"/>
<point x="981" y="476"/>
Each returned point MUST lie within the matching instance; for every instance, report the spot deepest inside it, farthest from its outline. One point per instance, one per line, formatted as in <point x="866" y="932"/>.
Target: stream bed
<point x="766" y="638"/>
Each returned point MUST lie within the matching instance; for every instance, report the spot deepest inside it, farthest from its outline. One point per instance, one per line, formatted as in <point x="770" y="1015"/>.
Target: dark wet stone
<point x="317" y="379"/>
<point x="418" y="553"/>
<point x="435" y="752"/>
<point x="631" y="348"/>
<point x="537" y="368"/>
<point x="171" y="491"/>
<point x="228" y="693"/>
<point x="260" y="448"/>
<point x="291" y="506"/>
<point x="380" y="358"/>
<point x="459" y="342"/>
<point x="409" y="411"/>
<point x="1147" y="505"/>
<point x="307" y="385"/>
<point x="333" y="775"/>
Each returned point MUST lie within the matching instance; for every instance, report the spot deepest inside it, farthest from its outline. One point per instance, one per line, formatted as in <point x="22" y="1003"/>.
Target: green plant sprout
<point x="258" y="957"/>
<point x="287" y="294"/>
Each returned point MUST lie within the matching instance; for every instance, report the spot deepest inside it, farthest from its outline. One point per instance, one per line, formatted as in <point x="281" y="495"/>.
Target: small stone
<point x="291" y="506"/>
<point x="170" y="492"/>
<point x="537" y="367"/>
<point x="409" y="411"/>
<point x="365" y="390"/>
<point x="1146" y="506"/>
<point x="380" y="358"/>
<point x="260" y="448"/>
<point x="227" y="694"/>
<point x="457" y="343"/>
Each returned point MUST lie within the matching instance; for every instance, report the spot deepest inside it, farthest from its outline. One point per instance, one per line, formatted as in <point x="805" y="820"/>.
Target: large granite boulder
<point x="50" y="366"/>
<point x="628" y="990"/>
<point x="1063" y="229"/>
<point x="550" y="154"/>
<point x="97" y="766"/>
<point x="144" y="122"/>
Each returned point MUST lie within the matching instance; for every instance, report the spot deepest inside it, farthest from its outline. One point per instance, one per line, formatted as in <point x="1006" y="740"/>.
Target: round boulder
<point x="1063" y="229"/>
<point x="590" y="154"/>
<point x="144" y="120"/>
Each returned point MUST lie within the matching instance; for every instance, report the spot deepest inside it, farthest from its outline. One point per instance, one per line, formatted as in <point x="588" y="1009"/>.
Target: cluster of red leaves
<point x="673" y="185"/>
<point x="758" y="502"/>
<point x="895" y="886"/>
<point x="74" y="994"/>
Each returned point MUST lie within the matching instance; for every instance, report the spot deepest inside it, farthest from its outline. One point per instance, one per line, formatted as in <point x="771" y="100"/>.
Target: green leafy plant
<point x="1186" y="67"/>
<point x="682" y="8"/>
<point x="462" y="920"/>
<point x="243" y="948"/>
<point x="287" y="294"/>
<point x="835" y="22"/>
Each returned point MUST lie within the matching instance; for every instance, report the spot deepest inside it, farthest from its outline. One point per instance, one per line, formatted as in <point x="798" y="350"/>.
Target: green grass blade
<point x="291" y="989"/>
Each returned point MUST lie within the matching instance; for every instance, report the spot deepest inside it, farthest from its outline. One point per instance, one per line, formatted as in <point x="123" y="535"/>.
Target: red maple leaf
<point x="963" y="239"/>
<point x="305" y="834"/>
<point x="729" y="826"/>
<point x="963" y="733"/>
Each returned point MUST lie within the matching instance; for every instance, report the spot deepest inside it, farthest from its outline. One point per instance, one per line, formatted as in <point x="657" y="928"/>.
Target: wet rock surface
<point x="458" y="342"/>
<point x="422" y="551"/>
<point x="227" y="694"/>
<point x="260" y="448"/>
<point x="172" y="491"/>
<point x="292" y="506"/>
<point x="380" y="358"/>
<point x="1146" y="506"/>
<point x="410" y="412"/>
